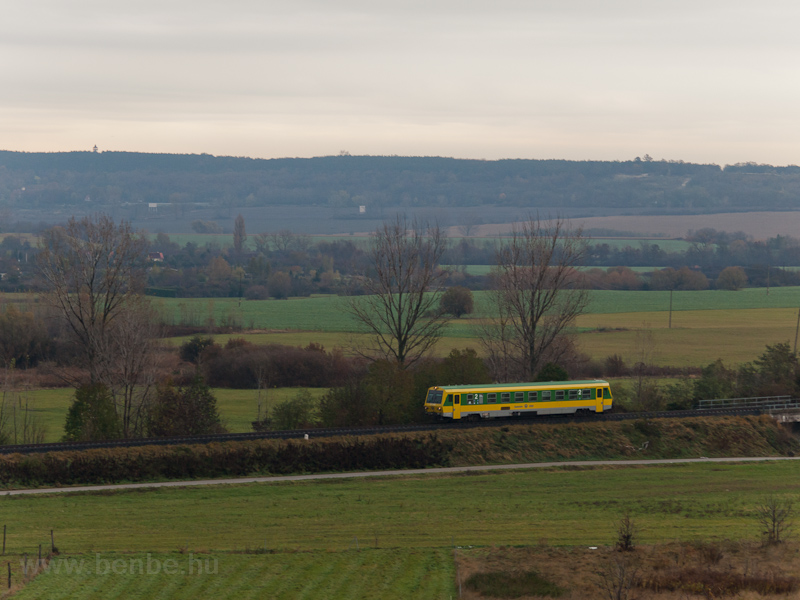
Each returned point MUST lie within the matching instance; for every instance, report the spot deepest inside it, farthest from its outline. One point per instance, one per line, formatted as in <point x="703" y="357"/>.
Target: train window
<point x="505" y="397"/>
<point x="559" y="394"/>
<point x="491" y="398"/>
<point x="546" y="396"/>
<point x="519" y="396"/>
<point x="457" y="399"/>
<point x="470" y="398"/>
<point x="599" y="393"/>
<point x="586" y="394"/>
<point x="434" y="397"/>
<point x="573" y="394"/>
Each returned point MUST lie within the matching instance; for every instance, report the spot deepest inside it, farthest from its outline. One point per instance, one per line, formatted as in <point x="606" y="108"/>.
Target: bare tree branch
<point x="95" y="270"/>
<point x="535" y="295"/>
<point x="401" y="305"/>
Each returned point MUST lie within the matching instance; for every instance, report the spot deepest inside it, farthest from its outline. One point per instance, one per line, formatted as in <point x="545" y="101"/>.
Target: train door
<point x="599" y="401"/>
<point x="456" y="406"/>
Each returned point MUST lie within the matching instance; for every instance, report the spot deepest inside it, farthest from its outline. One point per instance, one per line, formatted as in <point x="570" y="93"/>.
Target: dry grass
<point x="760" y="225"/>
<point x="673" y="571"/>
<point x="696" y="338"/>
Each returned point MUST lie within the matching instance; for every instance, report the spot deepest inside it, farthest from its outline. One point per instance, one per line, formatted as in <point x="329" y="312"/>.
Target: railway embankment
<point x="752" y="436"/>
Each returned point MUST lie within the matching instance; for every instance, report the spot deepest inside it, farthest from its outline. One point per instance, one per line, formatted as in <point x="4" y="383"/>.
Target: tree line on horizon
<point x="126" y="180"/>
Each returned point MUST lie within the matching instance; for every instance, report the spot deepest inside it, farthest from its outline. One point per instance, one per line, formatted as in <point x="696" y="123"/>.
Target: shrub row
<point x="240" y="364"/>
<point x="230" y="459"/>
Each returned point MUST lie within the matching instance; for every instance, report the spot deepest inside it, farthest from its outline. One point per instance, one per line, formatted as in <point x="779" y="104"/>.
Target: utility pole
<point x="670" y="309"/>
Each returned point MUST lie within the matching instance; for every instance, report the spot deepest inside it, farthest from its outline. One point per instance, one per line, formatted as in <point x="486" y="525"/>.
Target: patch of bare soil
<point x="760" y="225"/>
<point x="678" y="571"/>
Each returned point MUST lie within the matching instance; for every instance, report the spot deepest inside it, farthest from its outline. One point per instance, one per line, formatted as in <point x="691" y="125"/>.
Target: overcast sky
<point x="695" y="80"/>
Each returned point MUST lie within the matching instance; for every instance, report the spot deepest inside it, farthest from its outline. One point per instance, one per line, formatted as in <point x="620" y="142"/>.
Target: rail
<point x="765" y="403"/>
<point x="322" y="433"/>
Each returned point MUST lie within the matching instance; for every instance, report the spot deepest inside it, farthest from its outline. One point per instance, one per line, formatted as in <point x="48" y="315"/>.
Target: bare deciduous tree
<point x="286" y="241"/>
<point x="534" y="295"/>
<point x="618" y="578"/>
<point x="131" y="372"/>
<point x="627" y="531"/>
<point x="774" y="515"/>
<point x="93" y="268"/>
<point x="401" y="305"/>
<point x="95" y="271"/>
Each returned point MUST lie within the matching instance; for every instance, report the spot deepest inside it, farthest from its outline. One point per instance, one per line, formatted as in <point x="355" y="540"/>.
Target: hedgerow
<point x="229" y="459"/>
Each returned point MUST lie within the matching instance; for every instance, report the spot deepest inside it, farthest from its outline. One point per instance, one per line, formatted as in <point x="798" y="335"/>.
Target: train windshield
<point x="434" y="397"/>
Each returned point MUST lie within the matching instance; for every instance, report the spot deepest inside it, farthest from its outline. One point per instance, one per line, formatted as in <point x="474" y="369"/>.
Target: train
<point x="488" y="401"/>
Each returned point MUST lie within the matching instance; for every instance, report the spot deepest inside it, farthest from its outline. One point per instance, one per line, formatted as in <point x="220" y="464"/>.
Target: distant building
<point x="156" y="256"/>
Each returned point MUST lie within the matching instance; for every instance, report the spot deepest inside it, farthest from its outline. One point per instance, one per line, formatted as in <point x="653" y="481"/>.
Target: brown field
<point x="760" y="225"/>
<point x="696" y="337"/>
<point x="677" y="571"/>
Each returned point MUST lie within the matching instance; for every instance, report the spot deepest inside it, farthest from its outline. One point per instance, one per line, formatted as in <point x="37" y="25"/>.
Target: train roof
<point x="507" y="386"/>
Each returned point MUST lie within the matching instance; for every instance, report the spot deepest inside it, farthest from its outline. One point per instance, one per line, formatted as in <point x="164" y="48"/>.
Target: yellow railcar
<point x="517" y="399"/>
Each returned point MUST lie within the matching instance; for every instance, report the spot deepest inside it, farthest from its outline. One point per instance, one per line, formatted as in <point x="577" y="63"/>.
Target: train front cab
<point x="439" y="403"/>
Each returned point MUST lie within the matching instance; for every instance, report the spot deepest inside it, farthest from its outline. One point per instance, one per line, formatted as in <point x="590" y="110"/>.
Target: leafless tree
<point x="618" y="578"/>
<point x="95" y="271"/>
<point x="627" y="531"/>
<point x="646" y="393"/>
<point x="131" y="371"/>
<point x="534" y="296"/>
<point x="93" y="268"/>
<point x="401" y="305"/>
<point x="286" y="241"/>
<point x="469" y="223"/>
<point x="261" y="241"/>
<point x="774" y="515"/>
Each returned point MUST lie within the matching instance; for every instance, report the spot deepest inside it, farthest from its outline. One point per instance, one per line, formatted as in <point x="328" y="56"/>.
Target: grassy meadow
<point x="326" y="314"/>
<point x="573" y="506"/>
<point x="238" y="408"/>
<point x="733" y="326"/>
<point x="387" y="537"/>
<point x="385" y="573"/>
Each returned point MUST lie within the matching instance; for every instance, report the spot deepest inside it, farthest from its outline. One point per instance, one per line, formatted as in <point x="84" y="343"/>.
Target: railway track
<point x="322" y="433"/>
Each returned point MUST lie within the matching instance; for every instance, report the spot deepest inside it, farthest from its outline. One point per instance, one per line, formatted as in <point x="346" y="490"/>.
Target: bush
<point x="295" y="413"/>
<point x="731" y="278"/>
<point x="188" y="410"/>
<point x="147" y="463"/>
<point x="552" y="372"/>
<point x="92" y="415"/>
<point x="457" y="301"/>
<point x="502" y="584"/>
<point x="192" y="349"/>
<point x="244" y="365"/>
<point x="24" y="340"/>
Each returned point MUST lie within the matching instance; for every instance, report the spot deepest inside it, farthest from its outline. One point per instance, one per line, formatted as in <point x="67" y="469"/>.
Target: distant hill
<point x="43" y="186"/>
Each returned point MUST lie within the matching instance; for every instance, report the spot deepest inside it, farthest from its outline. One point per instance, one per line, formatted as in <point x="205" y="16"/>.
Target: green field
<point x="364" y="573"/>
<point x="573" y="507"/>
<point x="238" y="408"/>
<point x="325" y="313"/>
<point x="697" y="337"/>
<point x="480" y="270"/>
<point x="399" y="524"/>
